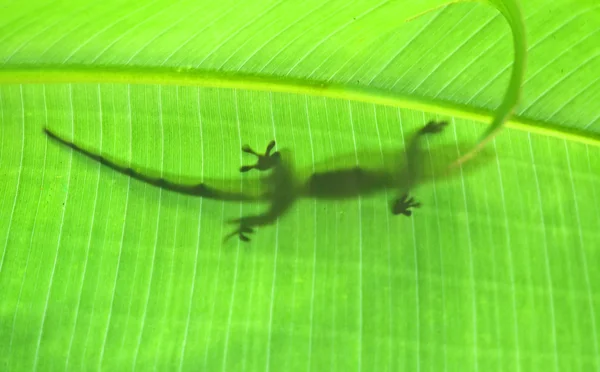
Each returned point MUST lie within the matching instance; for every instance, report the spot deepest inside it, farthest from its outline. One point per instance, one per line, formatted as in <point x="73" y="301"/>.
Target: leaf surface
<point x="494" y="272"/>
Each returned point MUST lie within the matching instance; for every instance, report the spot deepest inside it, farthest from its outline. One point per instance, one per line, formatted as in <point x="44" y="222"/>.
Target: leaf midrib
<point x="26" y="74"/>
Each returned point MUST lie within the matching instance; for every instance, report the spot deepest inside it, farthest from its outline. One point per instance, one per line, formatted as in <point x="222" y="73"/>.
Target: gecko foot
<point x="434" y="127"/>
<point x="265" y="161"/>
<point x="403" y="205"/>
<point x="242" y="231"/>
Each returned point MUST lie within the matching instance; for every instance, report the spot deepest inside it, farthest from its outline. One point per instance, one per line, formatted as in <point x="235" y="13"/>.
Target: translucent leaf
<point x="495" y="270"/>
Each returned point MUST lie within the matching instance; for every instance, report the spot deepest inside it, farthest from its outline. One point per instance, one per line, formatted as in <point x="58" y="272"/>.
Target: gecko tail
<point x="199" y="189"/>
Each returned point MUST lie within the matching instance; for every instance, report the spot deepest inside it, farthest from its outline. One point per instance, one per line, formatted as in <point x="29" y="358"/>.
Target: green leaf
<point x="495" y="271"/>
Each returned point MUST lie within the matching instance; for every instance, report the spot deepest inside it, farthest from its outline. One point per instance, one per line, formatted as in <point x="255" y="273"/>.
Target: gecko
<point x="282" y="185"/>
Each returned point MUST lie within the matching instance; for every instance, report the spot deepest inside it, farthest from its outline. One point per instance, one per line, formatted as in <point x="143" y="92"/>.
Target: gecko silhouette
<point x="282" y="186"/>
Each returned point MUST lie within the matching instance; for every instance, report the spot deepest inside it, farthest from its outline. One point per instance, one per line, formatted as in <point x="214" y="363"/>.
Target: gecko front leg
<point x="403" y="204"/>
<point x="280" y="192"/>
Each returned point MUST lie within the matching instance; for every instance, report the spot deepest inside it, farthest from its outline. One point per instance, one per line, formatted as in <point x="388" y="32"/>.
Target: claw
<point x="269" y="148"/>
<point x="247" y="149"/>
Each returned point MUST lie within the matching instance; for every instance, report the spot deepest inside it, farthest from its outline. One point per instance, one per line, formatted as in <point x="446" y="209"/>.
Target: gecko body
<point x="282" y="186"/>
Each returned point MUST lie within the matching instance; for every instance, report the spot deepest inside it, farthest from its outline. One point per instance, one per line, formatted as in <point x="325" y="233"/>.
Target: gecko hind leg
<point x="265" y="161"/>
<point x="242" y="232"/>
<point x="247" y="225"/>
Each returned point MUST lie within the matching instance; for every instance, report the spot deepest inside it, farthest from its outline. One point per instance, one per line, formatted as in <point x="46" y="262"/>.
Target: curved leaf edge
<point x="512" y="12"/>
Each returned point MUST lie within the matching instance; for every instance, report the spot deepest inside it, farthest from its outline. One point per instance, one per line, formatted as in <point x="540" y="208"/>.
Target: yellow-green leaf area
<point x="494" y="271"/>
